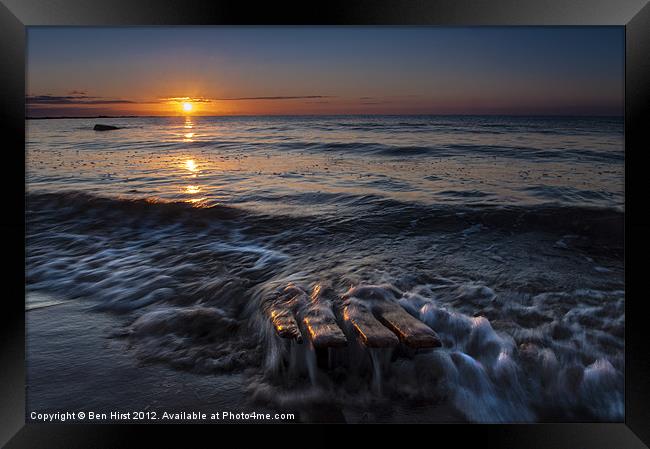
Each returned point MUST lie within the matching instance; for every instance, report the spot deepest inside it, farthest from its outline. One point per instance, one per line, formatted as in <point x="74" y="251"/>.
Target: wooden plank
<point x="284" y="322"/>
<point x="378" y="321"/>
<point x="411" y="331"/>
<point x="322" y="329"/>
<point x="371" y="332"/>
<point x="319" y="321"/>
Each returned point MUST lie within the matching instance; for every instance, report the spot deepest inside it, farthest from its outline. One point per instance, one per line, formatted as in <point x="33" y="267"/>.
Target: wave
<point x="190" y="282"/>
<point x="565" y="193"/>
<point x="504" y="124"/>
<point x="529" y="361"/>
<point x="377" y="149"/>
<point x="129" y="254"/>
<point x="374" y="211"/>
<point x="457" y="150"/>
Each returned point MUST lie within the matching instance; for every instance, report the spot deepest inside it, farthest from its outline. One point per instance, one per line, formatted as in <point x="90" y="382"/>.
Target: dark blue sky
<point x="329" y="70"/>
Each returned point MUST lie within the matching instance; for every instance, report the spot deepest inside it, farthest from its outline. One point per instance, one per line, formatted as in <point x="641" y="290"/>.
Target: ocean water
<point x="503" y="234"/>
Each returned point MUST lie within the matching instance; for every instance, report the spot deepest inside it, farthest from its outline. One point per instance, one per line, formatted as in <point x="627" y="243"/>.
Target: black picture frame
<point x="634" y="15"/>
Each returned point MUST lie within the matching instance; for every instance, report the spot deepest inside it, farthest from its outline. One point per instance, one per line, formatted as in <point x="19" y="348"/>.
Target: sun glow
<point x="187" y="106"/>
<point x="191" y="165"/>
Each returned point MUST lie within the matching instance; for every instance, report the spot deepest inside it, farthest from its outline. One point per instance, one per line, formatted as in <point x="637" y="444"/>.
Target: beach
<point x="152" y="248"/>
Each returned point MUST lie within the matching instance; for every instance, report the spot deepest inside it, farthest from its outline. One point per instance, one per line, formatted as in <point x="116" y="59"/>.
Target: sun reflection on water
<point x="188" y="130"/>
<point x="191" y="165"/>
<point x="199" y="202"/>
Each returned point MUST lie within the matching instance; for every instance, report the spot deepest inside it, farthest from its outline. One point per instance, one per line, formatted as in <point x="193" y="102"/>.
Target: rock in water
<point x="100" y="127"/>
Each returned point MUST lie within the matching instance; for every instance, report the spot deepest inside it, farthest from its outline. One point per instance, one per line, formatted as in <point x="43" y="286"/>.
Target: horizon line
<point x="323" y="115"/>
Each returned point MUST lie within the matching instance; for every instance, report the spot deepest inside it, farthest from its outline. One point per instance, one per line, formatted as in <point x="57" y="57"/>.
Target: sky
<point x="89" y="71"/>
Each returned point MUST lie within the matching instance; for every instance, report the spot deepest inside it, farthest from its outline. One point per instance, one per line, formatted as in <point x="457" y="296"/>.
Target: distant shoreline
<point x="86" y="117"/>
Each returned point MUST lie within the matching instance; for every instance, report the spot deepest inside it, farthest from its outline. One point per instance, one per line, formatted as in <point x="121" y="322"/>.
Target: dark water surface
<point x="505" y="235"/>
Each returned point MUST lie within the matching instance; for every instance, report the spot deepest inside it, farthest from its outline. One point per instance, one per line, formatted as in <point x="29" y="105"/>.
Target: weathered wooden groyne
<point x="327" y="321"/>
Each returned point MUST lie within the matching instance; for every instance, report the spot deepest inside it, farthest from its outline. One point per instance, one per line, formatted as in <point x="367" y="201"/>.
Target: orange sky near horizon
<point x="86" y="71"/>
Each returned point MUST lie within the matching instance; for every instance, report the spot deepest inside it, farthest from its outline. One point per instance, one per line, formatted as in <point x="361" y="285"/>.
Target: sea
<point x="151" y="248"/>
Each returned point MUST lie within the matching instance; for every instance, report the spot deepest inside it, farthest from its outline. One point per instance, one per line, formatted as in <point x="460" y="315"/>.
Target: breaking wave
<point x="517" y="345"/>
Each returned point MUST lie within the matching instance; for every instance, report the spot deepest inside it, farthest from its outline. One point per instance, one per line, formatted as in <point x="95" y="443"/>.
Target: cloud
<point x="72" y="99"/>
<point x="296" y="97"/>
<point x="182" y="99"/>
<point x="208" y="100"/>
<point x="77" y="97"/>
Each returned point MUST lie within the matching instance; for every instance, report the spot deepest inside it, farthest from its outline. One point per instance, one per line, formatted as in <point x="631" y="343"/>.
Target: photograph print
<point x="325" y="224"/>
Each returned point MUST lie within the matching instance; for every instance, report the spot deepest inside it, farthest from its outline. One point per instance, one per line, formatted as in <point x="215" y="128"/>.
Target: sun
<point x="187" y="106"/>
